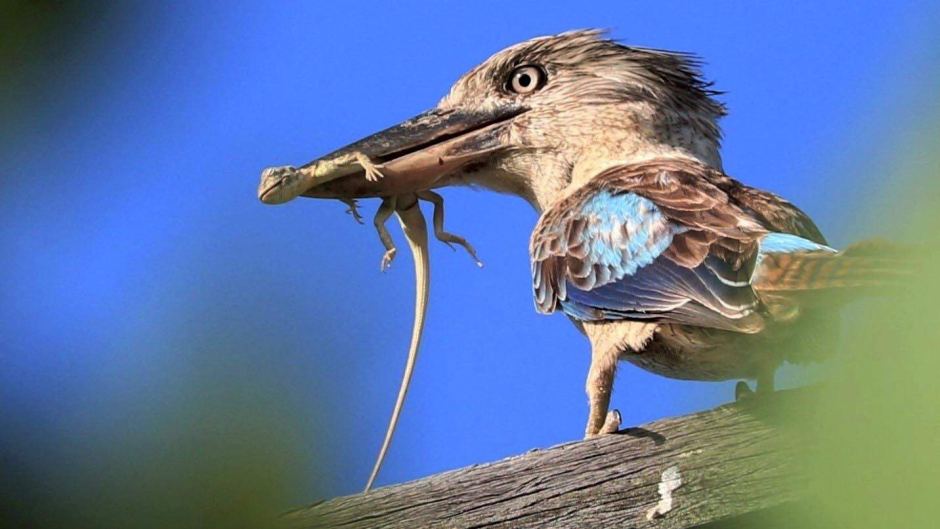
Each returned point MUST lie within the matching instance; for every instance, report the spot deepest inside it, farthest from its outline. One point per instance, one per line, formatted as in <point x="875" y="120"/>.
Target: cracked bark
<point x="735" y="462"/>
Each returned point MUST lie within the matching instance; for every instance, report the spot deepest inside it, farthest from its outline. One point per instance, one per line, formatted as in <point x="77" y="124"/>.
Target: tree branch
<point x="735" y="460"/>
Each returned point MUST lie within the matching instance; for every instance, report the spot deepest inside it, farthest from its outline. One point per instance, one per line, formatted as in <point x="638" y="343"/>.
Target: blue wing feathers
<point x="788" y="243"/>
<point x="667" y="241"/>
<point x="623" y="232"/>
<point x="619" y="245"/>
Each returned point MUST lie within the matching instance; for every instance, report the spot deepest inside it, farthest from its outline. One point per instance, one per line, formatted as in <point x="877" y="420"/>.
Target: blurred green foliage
<point x="35" y="35"/>
<point x="878" y="422"/>
<point x="212" y="442"/>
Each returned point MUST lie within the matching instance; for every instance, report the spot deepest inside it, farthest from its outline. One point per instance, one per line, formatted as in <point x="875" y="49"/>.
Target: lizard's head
<point x="523" y="121"/>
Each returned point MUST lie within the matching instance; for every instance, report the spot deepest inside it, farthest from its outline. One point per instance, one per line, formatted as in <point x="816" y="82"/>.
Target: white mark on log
<point x="670" y="481"/>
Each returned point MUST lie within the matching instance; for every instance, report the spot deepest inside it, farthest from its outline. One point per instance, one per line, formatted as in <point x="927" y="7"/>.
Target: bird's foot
<point x="763" y="387"/>
<point x="352" y="209"/>
<point x="742" y="391"/>
<point x="611" y="425"/>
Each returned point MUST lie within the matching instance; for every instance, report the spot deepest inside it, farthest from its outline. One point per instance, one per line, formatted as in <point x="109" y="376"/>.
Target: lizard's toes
<point x="373" y="174"/>
<point x="473" y="255"/>
<point x="388" y="258"/>
<point x="355" y="215"/>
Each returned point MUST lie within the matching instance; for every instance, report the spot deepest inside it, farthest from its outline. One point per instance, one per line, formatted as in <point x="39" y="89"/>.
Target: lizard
<point x="283" y="183"/>
<point x="406" y="208"/>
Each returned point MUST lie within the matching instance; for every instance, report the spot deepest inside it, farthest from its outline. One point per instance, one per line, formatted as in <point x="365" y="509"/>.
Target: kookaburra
<point x="657" y="256"/>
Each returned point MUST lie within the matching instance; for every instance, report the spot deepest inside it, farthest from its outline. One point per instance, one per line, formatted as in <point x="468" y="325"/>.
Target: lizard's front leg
<point x="371" y="168"/>
<point x="443" y="236"/>
<point x="381" y="217"/>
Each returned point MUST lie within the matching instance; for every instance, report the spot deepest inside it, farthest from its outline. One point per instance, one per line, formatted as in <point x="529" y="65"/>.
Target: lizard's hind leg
<point x="353" y="208"/>
<point x="381" y="217"/>
<point x="447" y="238"/>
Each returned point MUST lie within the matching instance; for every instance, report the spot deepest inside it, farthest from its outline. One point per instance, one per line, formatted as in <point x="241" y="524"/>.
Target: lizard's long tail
<point x="416" y="231"/>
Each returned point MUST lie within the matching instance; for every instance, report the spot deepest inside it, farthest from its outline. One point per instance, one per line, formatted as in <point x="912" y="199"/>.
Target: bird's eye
<point x="525" y="80"/>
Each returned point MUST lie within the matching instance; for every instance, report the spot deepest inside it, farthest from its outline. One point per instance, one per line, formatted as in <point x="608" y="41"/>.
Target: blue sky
<point x="143" y="279"/>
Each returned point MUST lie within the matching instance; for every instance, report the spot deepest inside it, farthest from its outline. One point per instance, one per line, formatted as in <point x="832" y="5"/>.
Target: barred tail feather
<point x="868" y="264"/>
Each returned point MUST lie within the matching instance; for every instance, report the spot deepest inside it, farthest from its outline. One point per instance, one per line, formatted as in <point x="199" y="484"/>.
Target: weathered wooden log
<point x="734" y="461"/>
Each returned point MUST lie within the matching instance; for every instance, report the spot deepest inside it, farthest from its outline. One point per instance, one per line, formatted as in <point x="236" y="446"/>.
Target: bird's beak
<point x="411" y="156"/>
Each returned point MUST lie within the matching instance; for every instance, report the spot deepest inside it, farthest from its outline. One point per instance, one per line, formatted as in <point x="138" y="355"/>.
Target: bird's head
<point x="535" y="118"/>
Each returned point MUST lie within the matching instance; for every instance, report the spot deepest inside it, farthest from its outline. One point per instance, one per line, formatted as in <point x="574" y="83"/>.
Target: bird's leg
<point x="353" y="208"/>
<point x="765" y="381"/>
<point x="447" y="238"/>
<point x="381" y="216"/>
<point x="600" y="383"/>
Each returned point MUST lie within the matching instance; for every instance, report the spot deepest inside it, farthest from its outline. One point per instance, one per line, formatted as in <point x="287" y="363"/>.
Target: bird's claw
<point x="611" y="422"/>
<point x="611" y="425"/>
<point x="742" y="391"/>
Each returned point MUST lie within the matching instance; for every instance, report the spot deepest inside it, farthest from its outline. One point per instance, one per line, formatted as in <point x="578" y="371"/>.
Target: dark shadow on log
<point x="643" y="433"/>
